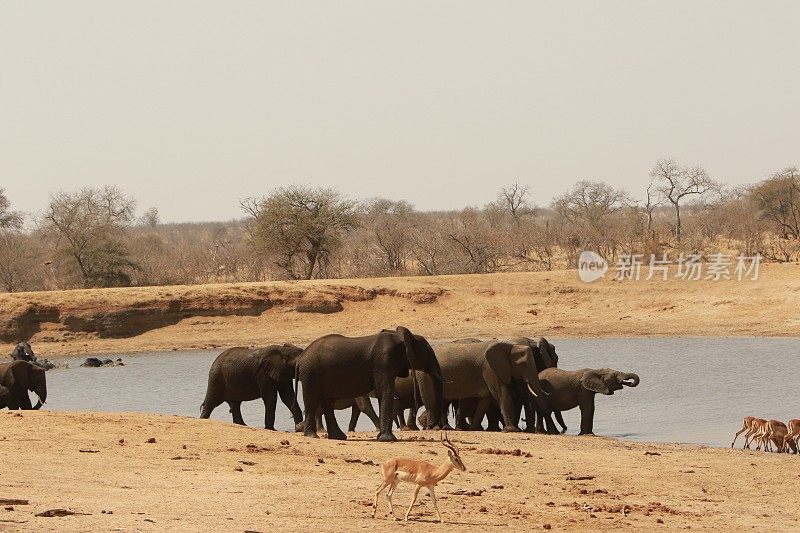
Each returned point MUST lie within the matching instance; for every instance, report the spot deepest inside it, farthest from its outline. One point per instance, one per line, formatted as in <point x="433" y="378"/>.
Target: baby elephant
<point x="568" y="389"/>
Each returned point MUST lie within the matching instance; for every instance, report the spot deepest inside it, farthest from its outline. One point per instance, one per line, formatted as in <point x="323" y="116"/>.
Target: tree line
<point x="93" y="237"/>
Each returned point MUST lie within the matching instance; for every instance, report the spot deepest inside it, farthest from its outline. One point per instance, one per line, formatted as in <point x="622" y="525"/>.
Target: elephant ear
<point x="593" y="381"/>
<point x="497" y="355"/>
<point x="272" y="363"/>
<point x="547" y="353"/>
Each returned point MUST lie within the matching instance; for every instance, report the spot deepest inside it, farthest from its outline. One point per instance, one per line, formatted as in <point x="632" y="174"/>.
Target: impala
<point x="419" y="473"/>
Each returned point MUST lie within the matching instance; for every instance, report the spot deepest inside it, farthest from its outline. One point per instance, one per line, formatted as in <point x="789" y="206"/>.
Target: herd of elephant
<point x="497" y="380"/>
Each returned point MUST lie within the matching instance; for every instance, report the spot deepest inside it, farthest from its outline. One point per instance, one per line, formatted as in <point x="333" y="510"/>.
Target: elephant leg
<point x="543" y="407"/>
<point x="493" y="418"/>
<point x="560" y="420"/>
<point x="354" y="412"/>
<point x="587" y="415"/>
<point x="24" y="401"/>
<point x="444" y="422"/>
<point x="365" y="405"/>
<point x="481" y="407"/>
<point x="412" y="419"/>
<point x="544" y="420"/>
<point x="210" y="403"/>
<point x="270" y="398"/>
<point x="384" y="389"/>
<point x="503" y="397"/>
<point x="334" y="431"/>
<point x="286" y="392"/>
<point x="311" y="404"/>
<point x="236" y="411"/>
<point x="461" y="417"/>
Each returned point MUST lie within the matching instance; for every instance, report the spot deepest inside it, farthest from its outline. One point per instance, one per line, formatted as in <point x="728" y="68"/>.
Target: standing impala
<point x="420" y="473"/>
<point x="794" y="435"/>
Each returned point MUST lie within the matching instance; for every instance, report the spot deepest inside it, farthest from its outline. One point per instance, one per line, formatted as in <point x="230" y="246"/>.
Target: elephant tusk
<point x="544" y="392"/>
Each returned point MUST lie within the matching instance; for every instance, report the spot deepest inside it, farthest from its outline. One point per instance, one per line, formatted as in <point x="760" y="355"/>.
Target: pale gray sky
<point x="191" y="105"/>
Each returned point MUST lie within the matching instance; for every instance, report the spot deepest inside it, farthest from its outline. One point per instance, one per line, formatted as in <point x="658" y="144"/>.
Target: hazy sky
<point x="191" y="106"/>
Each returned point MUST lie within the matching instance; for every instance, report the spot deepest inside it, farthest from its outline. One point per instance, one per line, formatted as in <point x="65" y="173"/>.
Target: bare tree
<point x="778" y="201"/>
<point x="475" y="241"/>
<point x="299" y="228"/>
<point x="14" y="254"/>
<point x="390" y="224"/>
<point x="89" y="226"/>
<point x="8" y="218"/>
<point x="150" y="218"/>
<point x="516" y="199"/>
<point x="675" y="183"/>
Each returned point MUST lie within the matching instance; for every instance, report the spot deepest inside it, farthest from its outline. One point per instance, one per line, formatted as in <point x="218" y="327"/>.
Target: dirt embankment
<point x="555" y="304"/>
<point x="158" y="473"/>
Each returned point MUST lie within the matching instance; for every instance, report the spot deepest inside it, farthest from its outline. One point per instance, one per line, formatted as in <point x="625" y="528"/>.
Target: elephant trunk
<point x="630" y="380"/>
<point x="438" y="407"/>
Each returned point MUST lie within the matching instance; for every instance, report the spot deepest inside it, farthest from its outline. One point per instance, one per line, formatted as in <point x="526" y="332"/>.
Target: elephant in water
<point x="242" y="374"/>
<point x="568" y="389"/>
<point x="335" y="367"/>
<point x="23" y="352"/>
<point x="94" y="362"/>
<point x="19" y="377"/>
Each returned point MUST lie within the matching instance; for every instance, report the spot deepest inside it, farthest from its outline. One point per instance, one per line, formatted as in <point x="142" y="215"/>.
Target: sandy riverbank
<point x="202" y="475"/>
<point x="554" y="304"/>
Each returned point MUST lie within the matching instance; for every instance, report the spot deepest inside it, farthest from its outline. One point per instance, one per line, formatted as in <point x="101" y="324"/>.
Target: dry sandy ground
<point x="202" y="475"/>
<point x="554" y="304"/>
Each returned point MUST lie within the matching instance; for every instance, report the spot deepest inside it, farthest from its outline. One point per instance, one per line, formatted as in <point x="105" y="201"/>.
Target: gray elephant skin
<point x="335" y="367"/>
<point x="488" y="371"/>
<point x="568" y="389"/>
<point x="19" y="377"/>
<point x="544" y="356"/>
<point x="242" y="374"/>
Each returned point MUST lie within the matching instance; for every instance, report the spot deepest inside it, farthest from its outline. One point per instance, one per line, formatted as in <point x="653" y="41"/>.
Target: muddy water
<point x="693" y="390"/>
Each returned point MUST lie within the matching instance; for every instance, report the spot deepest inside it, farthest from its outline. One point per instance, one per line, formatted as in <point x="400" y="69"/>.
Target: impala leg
<point x="436" y="507"/>
<point x="413" y="500"/>
<point x="389" y="495"/>
<point x="737" y="435"/>
<point x="382" y="486"/>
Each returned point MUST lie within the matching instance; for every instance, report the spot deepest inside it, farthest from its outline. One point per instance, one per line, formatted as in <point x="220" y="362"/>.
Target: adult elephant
<point x="242" y="374"/>
<point x="335" y="367"/>
<point x="19" y="377"/>
<point x="487" y="371"/>
<point x="544" y="356"/>
<point x="568" y="389"/>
